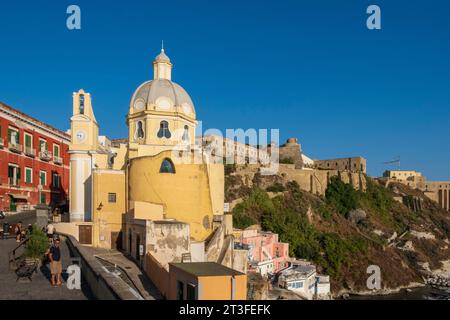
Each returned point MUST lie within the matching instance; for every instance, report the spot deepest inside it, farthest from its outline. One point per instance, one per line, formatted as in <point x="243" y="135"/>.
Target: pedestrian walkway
<point x="40" y="287"/>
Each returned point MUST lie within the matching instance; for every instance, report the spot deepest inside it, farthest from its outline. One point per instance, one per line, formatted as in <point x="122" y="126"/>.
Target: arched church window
<point x="164" y="130"/>
<point x="81" y="103"/>
<point x="185" y="137"/>
<point x="167" y="166"/>
<point x="139" y="130"/>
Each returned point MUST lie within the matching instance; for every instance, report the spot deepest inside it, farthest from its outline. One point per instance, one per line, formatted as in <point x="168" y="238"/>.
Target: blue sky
<point x="308" y="67"/>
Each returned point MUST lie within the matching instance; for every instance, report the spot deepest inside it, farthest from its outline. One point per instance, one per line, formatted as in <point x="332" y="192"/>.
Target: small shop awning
<point x="19" y="196"/>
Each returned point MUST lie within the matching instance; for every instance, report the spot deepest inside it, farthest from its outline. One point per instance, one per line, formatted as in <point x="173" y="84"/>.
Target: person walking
<point x="50" y="231"/>
<point x="55" y="263"/>
<point x="18" y="231"/>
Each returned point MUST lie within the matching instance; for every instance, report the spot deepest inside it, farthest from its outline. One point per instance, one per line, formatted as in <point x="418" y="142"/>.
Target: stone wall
<point x="353" y="164"/>
<point x="291" y="150"/>
<point x="310" y="180"/>
<point x="103" y="285"/>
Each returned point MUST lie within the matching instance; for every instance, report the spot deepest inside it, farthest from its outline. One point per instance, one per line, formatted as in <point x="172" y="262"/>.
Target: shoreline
<point x="382" y="292"/>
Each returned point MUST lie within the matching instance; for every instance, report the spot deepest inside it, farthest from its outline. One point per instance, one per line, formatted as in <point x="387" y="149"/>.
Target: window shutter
<point x="28" y="141"/>
<point x="18" y="173"/>
<point x="9" y="135"/>
<point x="10" y="172"/>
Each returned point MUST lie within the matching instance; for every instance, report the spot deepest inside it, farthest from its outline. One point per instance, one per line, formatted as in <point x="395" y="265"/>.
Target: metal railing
<point x="57" y="160"/>
<point x="13" y="182"/>
<point x="13" y="265"/>
<point x="30" y="152"/>
<point x="45" y="155"/>
<point x="15" y="147"/>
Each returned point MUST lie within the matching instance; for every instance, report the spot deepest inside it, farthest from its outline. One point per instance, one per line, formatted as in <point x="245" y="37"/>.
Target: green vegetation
<point x="286" y="215"/>
<point x="287" y="160"/>
<point x="276" y="187"/>
<point x="342" y="196"/>
<point x="37" y="244"/>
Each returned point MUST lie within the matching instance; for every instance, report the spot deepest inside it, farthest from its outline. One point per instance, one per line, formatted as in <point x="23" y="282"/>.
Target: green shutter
<point x="18" y="173"/>
<point x="43" y="198"/>
<point x="56" y="150"/>
<point x="28" y="141"/>
<point x="10" y="171"/>
<point x="28" y="173"/>
<point x="9" y="135"/>
<point x="17" y="137"/>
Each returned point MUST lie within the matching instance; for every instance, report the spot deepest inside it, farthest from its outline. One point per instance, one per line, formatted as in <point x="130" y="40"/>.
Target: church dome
<point x="164" y="94"/>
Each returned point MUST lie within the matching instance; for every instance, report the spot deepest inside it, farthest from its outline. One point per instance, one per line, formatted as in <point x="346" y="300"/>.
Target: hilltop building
<point x="311" y="175"/>
<point x="154" y="195"/>
<point x="34" y="163"/>
<point x="438" y="191"/>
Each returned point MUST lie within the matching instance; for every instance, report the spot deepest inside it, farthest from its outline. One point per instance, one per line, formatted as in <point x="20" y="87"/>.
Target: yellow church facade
<point x="154" y="195"/>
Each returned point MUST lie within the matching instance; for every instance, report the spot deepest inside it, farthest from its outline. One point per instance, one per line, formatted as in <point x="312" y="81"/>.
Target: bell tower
<point x="84" y="143"/>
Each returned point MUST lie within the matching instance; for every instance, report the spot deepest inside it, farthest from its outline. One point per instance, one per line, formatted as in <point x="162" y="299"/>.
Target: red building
<point x="34" y="162"/>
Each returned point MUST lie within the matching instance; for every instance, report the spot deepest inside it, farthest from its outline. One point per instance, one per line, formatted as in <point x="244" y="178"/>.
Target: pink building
<point x="266" y="254"/>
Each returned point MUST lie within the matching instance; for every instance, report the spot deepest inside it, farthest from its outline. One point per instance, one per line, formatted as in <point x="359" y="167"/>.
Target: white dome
<point x="155" y="91"/>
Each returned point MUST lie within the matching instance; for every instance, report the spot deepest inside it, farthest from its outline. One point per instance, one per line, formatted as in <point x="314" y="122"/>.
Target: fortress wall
<point x="353" y="164"/>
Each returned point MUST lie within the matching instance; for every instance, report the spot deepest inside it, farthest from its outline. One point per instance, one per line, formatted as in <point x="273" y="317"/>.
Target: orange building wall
<point x="219" y="288"/>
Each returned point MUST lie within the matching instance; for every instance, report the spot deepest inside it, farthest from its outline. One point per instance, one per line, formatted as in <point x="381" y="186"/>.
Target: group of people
<point x="22" y="232"/>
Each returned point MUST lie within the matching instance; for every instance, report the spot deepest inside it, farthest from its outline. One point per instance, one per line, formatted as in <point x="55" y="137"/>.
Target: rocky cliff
<point x="346" y="230"/>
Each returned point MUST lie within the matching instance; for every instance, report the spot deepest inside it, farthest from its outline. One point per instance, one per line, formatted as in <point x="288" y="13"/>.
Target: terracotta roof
<point x="23" y="115"/>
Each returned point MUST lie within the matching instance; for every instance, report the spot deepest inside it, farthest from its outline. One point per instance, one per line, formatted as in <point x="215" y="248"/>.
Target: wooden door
<point x="85" y="234"/>
<point x="116" y="240"/>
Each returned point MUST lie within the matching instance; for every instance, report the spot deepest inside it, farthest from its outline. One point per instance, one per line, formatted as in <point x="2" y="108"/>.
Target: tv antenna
<point x="396" y="161"/>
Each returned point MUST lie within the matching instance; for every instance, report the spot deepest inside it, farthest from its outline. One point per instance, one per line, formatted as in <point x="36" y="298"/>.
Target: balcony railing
<point x="30" y="152"/>
<point x="45" y="155"/>
<point x="13" y="182"/>
<point x="57" y="160"/>
<point x="15" y="147"/>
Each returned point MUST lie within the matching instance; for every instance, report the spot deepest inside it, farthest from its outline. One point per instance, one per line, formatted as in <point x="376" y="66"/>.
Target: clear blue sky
<point x="308" y="67"/>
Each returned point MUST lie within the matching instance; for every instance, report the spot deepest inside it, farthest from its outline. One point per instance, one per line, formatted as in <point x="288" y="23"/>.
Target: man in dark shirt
<point x="55" y="262"/>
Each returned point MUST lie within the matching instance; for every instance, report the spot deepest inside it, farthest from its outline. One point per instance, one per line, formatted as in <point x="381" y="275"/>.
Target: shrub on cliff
<point x="287" y="161"/>
<point x="342" y="196"/>
<point x="276" y="187"/>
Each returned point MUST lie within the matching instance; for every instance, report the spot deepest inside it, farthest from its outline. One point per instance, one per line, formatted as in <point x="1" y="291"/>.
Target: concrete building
<point x="206" y="281"/>
<point x="352" y="164"/>
<point x="266" y="255"/>
<point x="302" y="278"/>
<point x="34" y="163"/>
<point x="155" y="194"/>
<point x="438" y="191"/>
<point x="233" y="151"/>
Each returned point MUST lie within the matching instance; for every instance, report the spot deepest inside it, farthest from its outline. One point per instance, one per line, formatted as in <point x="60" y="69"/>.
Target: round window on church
<point x="139" y="105"/>
<point x="163" y="103"/>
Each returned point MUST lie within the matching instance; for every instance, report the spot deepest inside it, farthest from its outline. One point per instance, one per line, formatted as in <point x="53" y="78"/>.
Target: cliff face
<point x="346" y="230"/>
